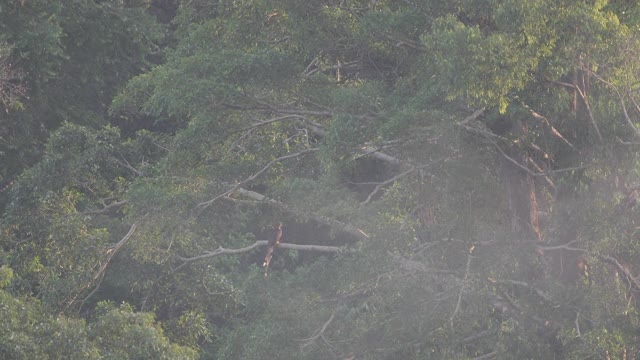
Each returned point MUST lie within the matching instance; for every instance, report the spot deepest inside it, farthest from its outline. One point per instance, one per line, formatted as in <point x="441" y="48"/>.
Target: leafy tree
<point x="454" y="181"/>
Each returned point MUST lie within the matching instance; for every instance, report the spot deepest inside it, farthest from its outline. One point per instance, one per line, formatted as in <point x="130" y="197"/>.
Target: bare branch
<point x="395" y="178"/>
<point x="318" y="333"/>
<point x="107" y="208"/>
<point x="474" y="337"/>
<point x="276" y="119"/>
<point x="128" y="166"/>
<point x="486" y="356"/>
<point x="586" y="104"/>
<point x="380" y="185"/>
<point x="373" y="152"/>
<point x="99" y="275"/>
<point x="464" y="285"/>
<point x="546" y="121"/>
<point x="627" y="273"/>
<point x="204" y="205"/>
<point x="541" y="171"/>
<point x="259" y="243"/>
<point x="563" y="246"/>
<point x="526" y="169"/>
<point x="540" y="293"/>
<point x="338" y="225"/>
<point x="274" y="109"/>
<point x="472" y="117"/>
<point x="622" y="104"/>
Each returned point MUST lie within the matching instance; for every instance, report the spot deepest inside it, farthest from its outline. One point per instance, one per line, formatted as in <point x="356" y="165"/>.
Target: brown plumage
<point x="273" y="242"/>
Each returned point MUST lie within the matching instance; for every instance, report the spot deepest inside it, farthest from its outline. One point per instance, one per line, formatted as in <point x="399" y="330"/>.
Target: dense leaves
<point x="460" y="179"/>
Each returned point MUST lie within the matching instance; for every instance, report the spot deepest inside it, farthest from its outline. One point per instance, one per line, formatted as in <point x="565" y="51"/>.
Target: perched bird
<point x="273" y="241"/>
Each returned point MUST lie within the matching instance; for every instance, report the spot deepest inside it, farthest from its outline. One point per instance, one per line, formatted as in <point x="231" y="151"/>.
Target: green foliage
<point x="511" y="233"/>
<point x="72" y="56"/>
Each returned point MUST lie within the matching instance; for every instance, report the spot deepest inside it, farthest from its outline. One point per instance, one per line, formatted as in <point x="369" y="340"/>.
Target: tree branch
<point x="270" y="121"/>
<point x="318" y="333"/>
<point x="204" y="205"/>
<point x="107" y="208"/>
<point x="563" y="246"/>
<point x="128" y="166"/>
<point x="99" y="275"/>
<point x="632" y="280"/>
<point x="526" y="169"/>
<point x="397" y="177"/>
<point x="259" y="243"/>
<point x="486" y="356"/>
<point x="464" y="285"/>
<point x="621" y="98"/>
<point x="335" y="224"/>
<point x="586" y="104"/>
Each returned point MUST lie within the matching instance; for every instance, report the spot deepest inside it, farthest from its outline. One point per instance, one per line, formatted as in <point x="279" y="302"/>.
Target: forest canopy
<point x="389" y="179"/>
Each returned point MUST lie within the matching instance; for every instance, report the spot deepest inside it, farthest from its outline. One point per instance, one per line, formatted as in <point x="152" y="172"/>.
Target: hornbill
<point x="273" y="242"/>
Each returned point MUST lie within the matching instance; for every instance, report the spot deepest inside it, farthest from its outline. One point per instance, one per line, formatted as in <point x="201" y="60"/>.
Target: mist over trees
<point x="452" y="179"/>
